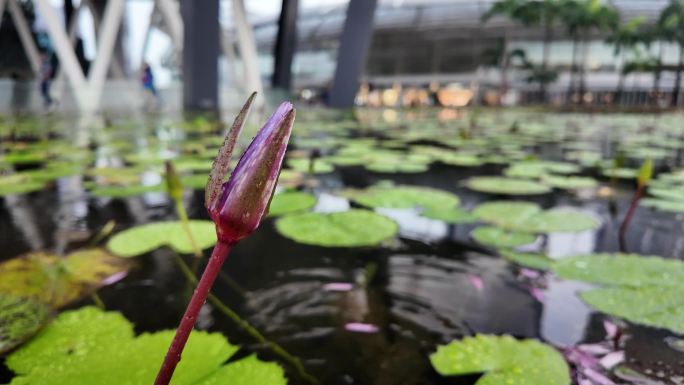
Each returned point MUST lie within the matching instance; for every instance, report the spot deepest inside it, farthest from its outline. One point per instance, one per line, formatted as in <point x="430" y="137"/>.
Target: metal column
<point x="200" y="54"/>
<point x="286" y="44"/>
<point x="351" y="56"/>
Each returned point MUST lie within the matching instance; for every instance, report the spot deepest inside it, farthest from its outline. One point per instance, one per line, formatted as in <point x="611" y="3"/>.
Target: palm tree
<point x="536" y="13"/>
<point x="672" y="23"/>
<point x="581" y="18"/>
<point x="626" y="37"/>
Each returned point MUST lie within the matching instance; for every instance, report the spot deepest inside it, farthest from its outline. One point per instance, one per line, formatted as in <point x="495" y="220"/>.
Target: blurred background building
<point x="419" y="52"/>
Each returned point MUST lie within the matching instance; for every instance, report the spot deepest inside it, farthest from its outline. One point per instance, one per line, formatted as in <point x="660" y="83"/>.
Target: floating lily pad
<point x="674" y="194"/>
<point x="503" y="360"/>
<point x="507" y="186"/>
<point x="142" y="239"/>
<point x="124" y="191"/>
<point x="620" y="173"/>
<point x="663" y="205"/>
<point x="20" y="319"/>
<point x="302" y="165"/>
<point x="622" y="269"/>
<point x="657" y="306"/>
<point x="529" y="218"/>
<point x="88" y="346"/>
<point x="291" y="202"/>
<point x="530" y="260"/>
<point x="452" y="215"/>
<point x="403" y="197"/>
<point x="15" y="184"/>
<point x="56" y="280"/>
<point x="569" y="182"/>
<point x="496" y="237"/>
<point x="194" y="181"/>
<point x="341" y="229"/>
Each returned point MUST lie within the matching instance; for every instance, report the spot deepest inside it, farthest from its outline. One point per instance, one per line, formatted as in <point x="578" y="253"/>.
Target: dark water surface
<point x="420" y="294"/>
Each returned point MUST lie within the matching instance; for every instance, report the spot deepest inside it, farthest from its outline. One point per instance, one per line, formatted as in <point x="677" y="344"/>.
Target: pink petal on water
<point x="537" y="293"/>
<point x="610" y="360"/>
<point x="595" y="349"/>
<point x="611" y="329"/>
<point x="338" y="286"/>
<point x="358" y="327"/>
<point x="476" y="282"/>
<point x="580" y="358"/>
<point x="529" y="273"/>
<point x="597" y="377"/>
<point x="116" y="277"/>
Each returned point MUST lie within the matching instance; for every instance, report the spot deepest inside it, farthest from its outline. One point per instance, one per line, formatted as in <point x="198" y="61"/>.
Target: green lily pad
<point x="620" y="173"/>
<point x="56" y="280"/>
<point x="352" y="228"/>
<point x="657" y="306"/>
<point x="302" y="165"/>
<point x="496" y="237"/>
<point x="20" y="319"/>
<point x="529" y="260"/>
<point x="663" y="205"/>
<point x="89" y="346"/>
<point x="622" y="269"/>
<point x="142" y="239"/>
<point x="452" y="215"/>
<point x="674" y="194"/>
<point x="124" y="191"/>
<point x="17" y="185"/>
<point x="403" y="197"/>
<point x="507" y="186"/>
<point x="503" y="360"/>
<point x="194" y="181"/>
<point x="529" y="218"/>
<point x="291" y="202"/>
<point x="569" y="182"/>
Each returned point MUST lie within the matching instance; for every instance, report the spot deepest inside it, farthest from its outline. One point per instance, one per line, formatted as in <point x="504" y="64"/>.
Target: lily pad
<point x="670" y="194"/>
<point x="620" y="173"/>
<point x="529" y="218"/>
<point x="58" y="281"/>
<point x="452" y="215"/>
<point x="503" y="360"/>
<point x="663" y="205"/>
<point x="142" y="239"/>
<point x="89" y="346"/>
<point x="352" y="228"/>
<point x="302" y="165"/>
<point x="291" y="202"/>
<point x="496" y="237"/>
<point x="657" y="306"/>
<point x="569" y="182"/>
<point x="403" y="197"/>
<point x="529" y="260"/>
<point x="622" y="269"/>
<point x="124" y="191"/>
<point x="20" y="319"/>
<point x="507" y="186"/>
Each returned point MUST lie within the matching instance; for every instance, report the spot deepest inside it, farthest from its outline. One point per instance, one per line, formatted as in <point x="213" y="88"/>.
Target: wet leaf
<point x="342" y="229"/>
<point x="621" y="269"/>
<point x="403" y="197"/>
<point x="88" y="346"/>
<point x="124" y="191"/>
<point x="657" y="306"/>
<point x="530" y="260"/>
<point x="569" y="182"/>
<point x="452" y="215"/>
<point x="56" y="280"/>
<point x="663" y="205"/>
<point x="672" y="194"/>
<point x="302" y="165"/>
<point x="20" y="319"/>
<point x="529" y="218"/>
<point x="503" y="360"/>
<point x="142" y="239"/>
<point x="506" y="186"/>
<point x="291" y="202"/>
<point x="496" y="237"/>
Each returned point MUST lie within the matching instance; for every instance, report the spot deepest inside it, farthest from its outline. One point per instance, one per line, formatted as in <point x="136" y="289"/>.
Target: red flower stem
<point x="173" y="356"/>
<point x="628" y="217"/>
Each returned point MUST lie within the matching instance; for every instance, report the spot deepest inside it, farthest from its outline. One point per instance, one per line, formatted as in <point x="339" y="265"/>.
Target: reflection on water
<point x="360" y="316"/>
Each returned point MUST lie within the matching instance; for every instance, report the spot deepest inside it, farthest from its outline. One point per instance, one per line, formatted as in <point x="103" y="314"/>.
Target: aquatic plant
<point x="643" y="178"/>
<point x="236" y="207"/>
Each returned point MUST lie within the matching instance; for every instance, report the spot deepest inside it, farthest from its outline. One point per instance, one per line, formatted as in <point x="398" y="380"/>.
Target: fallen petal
<point x="338" y="286"/>
<point x="610" y="360"/>
<point x="358" y="327"/>
<point x="476" y="282"/>
<point x="597" y="377"/>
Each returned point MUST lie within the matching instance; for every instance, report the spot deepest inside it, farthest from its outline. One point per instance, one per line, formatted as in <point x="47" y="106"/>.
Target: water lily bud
<point x="244" y="199"/>
<point x="173" y="184"/>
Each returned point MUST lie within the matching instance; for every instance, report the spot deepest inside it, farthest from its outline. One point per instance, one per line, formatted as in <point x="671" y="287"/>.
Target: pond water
<point x="428" y="286"/>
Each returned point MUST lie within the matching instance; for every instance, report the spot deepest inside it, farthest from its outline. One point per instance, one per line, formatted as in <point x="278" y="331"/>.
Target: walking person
<point x="46" y="72"/>
<point x="147" y="79"/>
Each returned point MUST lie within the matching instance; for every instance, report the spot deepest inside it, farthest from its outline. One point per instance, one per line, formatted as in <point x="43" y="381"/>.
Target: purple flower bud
<point x="240" y="204"/>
